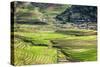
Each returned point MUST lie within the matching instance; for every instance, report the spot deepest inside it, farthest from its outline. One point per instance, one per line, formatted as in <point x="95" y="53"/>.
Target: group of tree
<point x="78" y="13"/>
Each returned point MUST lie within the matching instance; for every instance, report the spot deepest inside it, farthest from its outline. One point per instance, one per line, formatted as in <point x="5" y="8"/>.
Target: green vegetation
<point x="34" y="55"/>
<point x="30" y="48"/>
<point x="27" y="53"/>
<point x="41" y="38"/>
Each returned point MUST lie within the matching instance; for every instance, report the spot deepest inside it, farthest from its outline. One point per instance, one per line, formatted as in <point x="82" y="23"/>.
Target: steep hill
<point x="79" y="13"/>
<point x="39" y="12"/>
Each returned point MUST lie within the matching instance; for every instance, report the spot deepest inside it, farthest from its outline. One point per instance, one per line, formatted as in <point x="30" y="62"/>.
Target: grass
<point x="77" y="32"/>
<point x="84" y="55"/>
<point x="25" y="54"/>
<point x="33" y="47"/>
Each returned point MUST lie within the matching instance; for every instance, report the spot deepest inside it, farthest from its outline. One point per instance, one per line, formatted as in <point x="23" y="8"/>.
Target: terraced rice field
<point x="47" y="47"/>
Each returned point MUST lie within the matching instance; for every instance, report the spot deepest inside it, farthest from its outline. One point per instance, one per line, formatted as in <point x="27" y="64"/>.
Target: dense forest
<point x="79" y="14"/>
<point x="46" y="33"/>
